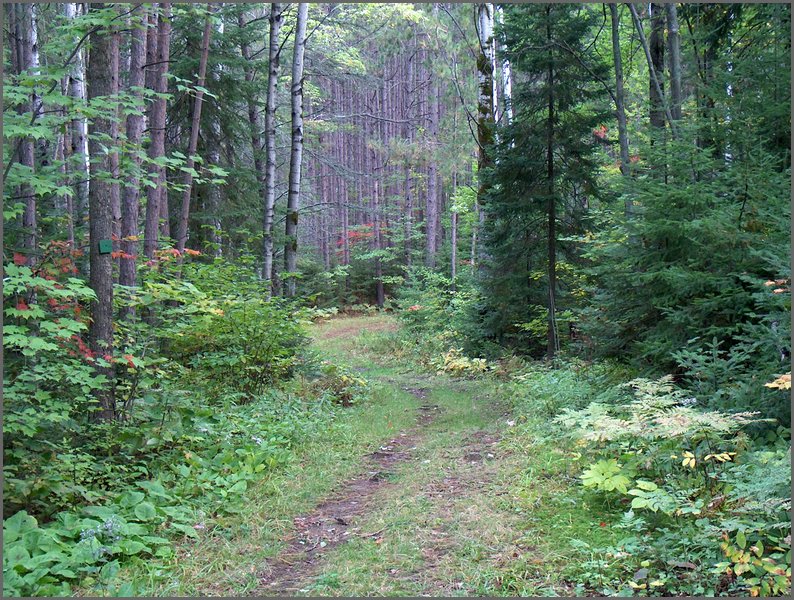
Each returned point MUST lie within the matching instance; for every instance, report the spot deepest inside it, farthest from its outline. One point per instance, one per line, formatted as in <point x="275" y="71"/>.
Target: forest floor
<point x="427" y="489"/>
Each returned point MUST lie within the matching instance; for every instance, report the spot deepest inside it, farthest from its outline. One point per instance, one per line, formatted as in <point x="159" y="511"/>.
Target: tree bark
<point x="431" y="201"/>
<point x="254" y="116"/>
<point x="651" y="68"/>
<point x="620" y="95"/>
<point x="270" y="145"/>
<point x="551" y="348"/>
<point x="296" y="154"/>
<point x="656" y="83"/>
<point x="379" y="292"/>
<point x="184" y="216"/>
<point x="485" y="108"/>
<point x="115" y="187"/>
<point x="130" y="200"/>
<point x="674" y="43"/>
<point x="100" y="85"/>
<point x="25" y="34"/>
<point x="454" y="233"/>
<point x="79" y="125"/>
<point x="158" y="195"/>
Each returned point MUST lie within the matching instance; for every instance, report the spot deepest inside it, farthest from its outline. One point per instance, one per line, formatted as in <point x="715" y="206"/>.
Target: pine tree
<point x="544" y="172"/>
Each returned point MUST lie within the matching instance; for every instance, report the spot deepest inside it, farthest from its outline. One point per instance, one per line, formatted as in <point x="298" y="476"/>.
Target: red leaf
<point x="20" y="259"/>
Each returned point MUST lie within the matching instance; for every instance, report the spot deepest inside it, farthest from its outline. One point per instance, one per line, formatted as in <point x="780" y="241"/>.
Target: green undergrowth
<point x="217" y="396"/>
<point x="624" y="486"/>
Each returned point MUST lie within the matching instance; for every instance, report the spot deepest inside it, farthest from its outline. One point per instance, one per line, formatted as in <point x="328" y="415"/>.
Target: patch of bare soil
<point x="334" y="521"/>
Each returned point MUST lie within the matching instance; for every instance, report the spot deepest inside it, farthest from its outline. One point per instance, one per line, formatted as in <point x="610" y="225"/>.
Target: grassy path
<point x="422" y="512"/>
<point x="424" y="490"/>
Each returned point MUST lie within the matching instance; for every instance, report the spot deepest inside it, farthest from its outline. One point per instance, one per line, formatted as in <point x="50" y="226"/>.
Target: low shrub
<point x="696" y="490"/>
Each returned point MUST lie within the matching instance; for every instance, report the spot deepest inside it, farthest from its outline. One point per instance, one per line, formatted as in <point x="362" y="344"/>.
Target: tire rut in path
<point x="332" y="522"/>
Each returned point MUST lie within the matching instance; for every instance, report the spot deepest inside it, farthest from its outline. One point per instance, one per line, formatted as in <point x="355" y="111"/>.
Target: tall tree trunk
<point x="63" y="202"/>
<point x="620" y="95"/>
<point x="214" y="191"/>
<point x="551" y="348"/>
<point x="505" y="87"/>
<point x="25" y="35"/>
<point x="158" y="194"/>
<point x="115" y="187"/>
<point x="79" y="125"/>
<point x="654" y="76"/>
<point x="656" y="83"/>
<point x="674" y="43"/>
<point x="184" y="216"/>
<point x="100" y="85"/>
<point x="379" y="292"/>
<point x="485" y="105"/>
<point x="254" y="116"/>
<point x="454" y="233"/>
<point x="130" y="201"/>
<point x="296" y="154"/>
<point x="432" y="200"/>
<point x="270" y="145"/>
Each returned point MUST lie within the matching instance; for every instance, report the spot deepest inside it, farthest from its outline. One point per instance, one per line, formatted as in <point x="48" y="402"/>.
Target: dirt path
<point x="431" y="512"/>
<point x="335" y="520"/>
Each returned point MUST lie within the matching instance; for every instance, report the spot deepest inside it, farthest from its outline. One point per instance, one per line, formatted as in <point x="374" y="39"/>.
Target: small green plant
<point x="339" y="385"/>
<point x="454" y="362"/>
<point x="607" y="476"/>
<point x="760" y="561"/>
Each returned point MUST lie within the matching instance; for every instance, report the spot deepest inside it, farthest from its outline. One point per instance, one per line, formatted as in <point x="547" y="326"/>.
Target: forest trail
<point x="423" y="515"/>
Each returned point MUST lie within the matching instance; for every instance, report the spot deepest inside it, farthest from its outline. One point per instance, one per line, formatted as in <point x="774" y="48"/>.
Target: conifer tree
<point x="544" y="169"/>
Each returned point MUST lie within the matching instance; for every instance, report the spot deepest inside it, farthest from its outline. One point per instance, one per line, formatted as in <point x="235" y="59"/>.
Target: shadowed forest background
<point x="235" y="235"/>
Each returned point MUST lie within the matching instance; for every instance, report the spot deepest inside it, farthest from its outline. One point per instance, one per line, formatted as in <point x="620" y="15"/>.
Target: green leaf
<point x="145" y="511"/>
<point x="131" y="498"/>
<point x="186" y="529"/>
<point x="646" y="485"/>
<point x="131" y="547"/>
<point x="17" y="525"/>
<point x="741" y="540"/>
<point x="239" y="487"/>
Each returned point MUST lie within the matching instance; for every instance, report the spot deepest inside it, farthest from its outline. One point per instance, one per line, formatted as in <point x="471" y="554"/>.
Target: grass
<point x="481" y="507"/>
<point x="226" y="560"/>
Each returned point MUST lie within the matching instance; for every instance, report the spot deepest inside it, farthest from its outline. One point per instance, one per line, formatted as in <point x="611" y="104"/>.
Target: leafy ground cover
<point x="444" y="476"/>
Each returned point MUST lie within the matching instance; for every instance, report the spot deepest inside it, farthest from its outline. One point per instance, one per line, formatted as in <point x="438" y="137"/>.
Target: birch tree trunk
<point x="485" y="105"/>
<point x="158" y="195"/>
<point x="270" y="145"/>
<point x="100" y="85"/>
<point x="79" y="125"/>
<point x="134" y="129"/>
<point x="296" y="154"/>
<point x="184" y="216"/>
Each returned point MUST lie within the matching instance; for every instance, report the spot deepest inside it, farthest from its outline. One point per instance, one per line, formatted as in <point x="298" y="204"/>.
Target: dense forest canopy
<point x="187" y="185"/>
